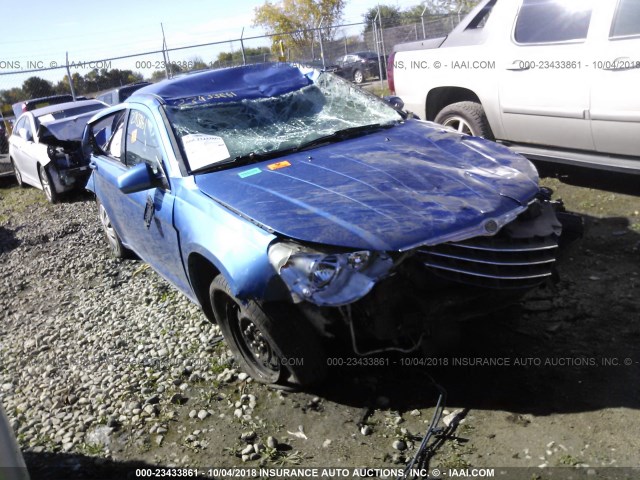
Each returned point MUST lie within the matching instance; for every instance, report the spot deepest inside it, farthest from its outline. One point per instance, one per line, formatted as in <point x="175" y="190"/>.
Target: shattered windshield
<point x="217" y="133"/>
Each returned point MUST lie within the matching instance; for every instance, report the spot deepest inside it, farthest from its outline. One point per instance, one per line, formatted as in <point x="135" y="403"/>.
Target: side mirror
<point x="138" y="179"/>
<point x="395" y="102"/>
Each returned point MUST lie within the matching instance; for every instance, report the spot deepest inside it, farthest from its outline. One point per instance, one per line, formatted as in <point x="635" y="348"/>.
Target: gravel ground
<point x="104" y="367"/>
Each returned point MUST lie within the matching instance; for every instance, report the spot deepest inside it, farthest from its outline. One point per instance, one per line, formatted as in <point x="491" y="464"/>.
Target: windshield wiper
<point x="343" y="134"/>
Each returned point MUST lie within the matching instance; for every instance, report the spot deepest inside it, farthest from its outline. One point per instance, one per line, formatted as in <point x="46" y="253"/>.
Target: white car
<point x="44" y="148"/>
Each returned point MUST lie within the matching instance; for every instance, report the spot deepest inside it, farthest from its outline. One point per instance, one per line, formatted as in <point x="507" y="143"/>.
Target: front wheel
<point x="271" y="343"/>
<point x="17" y="173"/>
<point x="466" y="117"/>
<point x="48" y="186"/>
<point x="358" y="77"/>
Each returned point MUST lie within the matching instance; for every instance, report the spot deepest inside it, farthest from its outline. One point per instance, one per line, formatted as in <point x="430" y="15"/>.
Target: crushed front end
<point x="68" y="168"/>
<point x="397" y="300"/>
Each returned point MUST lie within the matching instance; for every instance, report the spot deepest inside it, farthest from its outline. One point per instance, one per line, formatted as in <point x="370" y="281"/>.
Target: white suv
<point x="557" y="80"/>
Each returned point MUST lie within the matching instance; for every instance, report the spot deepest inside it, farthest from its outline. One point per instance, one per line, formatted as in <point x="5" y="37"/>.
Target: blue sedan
<point x="295" y="208"/>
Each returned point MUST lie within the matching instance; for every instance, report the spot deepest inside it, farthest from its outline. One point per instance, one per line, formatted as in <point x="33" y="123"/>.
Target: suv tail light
<point x="390" y="82"/>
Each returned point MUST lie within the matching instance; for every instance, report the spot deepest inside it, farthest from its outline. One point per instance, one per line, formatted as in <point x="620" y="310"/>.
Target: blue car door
<point x="149" y="213"/>
<point x="108" y="163"/>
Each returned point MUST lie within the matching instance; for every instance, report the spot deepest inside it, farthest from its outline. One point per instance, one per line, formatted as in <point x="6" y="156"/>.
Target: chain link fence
<point x="320" y="47"/>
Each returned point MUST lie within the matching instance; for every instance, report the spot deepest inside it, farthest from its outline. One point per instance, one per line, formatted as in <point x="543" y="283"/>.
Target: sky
<point x="98" y="30"/>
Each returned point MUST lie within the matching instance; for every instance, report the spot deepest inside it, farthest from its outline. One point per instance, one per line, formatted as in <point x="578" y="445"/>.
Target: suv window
<point x="627" y="19"/>
<point x="106" y="98"/>
<point x="552" y="21"/>
<point x="480" y="20"/>
<point x="143" y="143"/>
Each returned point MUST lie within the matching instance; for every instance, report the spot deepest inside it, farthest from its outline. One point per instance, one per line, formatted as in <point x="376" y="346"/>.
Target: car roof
<point x="227" y="84"/>
<point x="62" y="106"/>
<point x="132" y="85"/>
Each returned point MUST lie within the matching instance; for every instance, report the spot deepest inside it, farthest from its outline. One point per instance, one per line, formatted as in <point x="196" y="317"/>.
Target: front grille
<point x="493" y="262"/>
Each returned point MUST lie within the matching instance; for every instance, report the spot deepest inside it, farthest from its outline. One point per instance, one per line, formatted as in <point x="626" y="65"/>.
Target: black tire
<point x="118" y="250"/>
<point x="358" y="77"/>
<point x="48" y="187"/>
<point x="17" y="174"/>
<point x="271" y="342"/>
<point x="466" y="117"/>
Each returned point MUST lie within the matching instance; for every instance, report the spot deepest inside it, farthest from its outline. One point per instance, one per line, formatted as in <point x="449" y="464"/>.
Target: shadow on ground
<point x="591" y="178"/>
<point x="572" y="346"/>
<point x="58" y="466"/>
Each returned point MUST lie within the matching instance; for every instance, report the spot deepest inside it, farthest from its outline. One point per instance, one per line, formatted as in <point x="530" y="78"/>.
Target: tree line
<point x="94" y="81"/>
<point x="292" y="24"/>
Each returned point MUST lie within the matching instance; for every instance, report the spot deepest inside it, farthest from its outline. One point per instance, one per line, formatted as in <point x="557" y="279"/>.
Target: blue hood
<point x="390" y="190"/>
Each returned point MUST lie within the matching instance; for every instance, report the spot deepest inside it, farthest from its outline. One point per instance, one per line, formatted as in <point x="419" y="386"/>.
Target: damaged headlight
<point x="328" y="279"/>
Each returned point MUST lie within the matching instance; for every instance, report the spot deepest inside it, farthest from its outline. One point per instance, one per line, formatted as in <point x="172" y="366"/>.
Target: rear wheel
<point x="48" y="187"/>
<point x="466" y="117"/>
<point x="117" y="248"/>
<point x="358" y="77"/>
<point x="17" y="174"/>
<point x="271" y="343"/>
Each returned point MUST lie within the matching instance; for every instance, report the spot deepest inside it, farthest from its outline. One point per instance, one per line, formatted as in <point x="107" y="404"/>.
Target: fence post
<point x="384" y="53"/>
<point x="424" y="31"/>
<point x="165" y="53"/>
<point x="244" y="58"/>
<point x="73" y="90"/>
<point x="324" y="65"/>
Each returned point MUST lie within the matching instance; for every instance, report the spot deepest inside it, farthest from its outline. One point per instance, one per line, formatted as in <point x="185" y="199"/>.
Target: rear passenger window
<point x="627" y="19"/>
<point x="552" y="21"/>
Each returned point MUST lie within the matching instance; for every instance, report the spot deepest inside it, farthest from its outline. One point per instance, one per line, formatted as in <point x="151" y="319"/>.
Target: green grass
<point x="377" y="90"/>
<point x="14" y="201"/>
<point x="568" y="460"/>
<point x="92" y="449"/>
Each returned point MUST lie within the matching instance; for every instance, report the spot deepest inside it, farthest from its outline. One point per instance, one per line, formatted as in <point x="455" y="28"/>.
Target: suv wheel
<point x="466" y="117"/>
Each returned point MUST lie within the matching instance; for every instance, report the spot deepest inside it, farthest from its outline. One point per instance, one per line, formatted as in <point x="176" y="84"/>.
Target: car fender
<point x="236" y="247"/>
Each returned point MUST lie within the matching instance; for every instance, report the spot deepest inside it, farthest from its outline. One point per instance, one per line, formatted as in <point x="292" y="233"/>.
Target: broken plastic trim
<point x="328" y="279"/>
